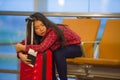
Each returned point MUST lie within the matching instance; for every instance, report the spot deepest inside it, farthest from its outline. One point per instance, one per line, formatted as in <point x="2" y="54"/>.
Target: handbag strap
<point x="44" y="66"/>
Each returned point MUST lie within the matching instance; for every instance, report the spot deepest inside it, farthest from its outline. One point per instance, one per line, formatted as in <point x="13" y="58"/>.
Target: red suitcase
<point x="42" y="69"/>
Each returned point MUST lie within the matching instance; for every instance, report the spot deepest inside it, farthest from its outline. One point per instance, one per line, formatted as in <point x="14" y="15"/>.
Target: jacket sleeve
<point x="49" y="40"/>
<point x="22" y="42"/>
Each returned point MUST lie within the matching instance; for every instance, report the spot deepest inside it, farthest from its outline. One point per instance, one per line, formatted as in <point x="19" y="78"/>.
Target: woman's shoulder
<point x="61" y="26"/>
<point x="50" y="30"/>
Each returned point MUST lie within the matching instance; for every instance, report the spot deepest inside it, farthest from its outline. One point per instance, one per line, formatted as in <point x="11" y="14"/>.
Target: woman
<point x="63" y="42"/>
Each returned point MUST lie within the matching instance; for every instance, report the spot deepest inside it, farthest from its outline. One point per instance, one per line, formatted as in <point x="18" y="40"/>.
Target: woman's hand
<point x="20" y="47"/>
<point x="23" y="57"/>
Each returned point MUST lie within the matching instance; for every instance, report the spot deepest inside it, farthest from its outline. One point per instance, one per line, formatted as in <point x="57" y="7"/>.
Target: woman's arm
<point x="23" y="58"/>
<point x="49" y="40"/>
<point x="20" y="47"/>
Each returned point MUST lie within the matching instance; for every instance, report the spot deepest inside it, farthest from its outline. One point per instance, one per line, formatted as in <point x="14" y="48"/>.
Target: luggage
<point x="42" y="69"/>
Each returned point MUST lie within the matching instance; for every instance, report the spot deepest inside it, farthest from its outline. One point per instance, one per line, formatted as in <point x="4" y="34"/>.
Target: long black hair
<point x="48" y="24"/>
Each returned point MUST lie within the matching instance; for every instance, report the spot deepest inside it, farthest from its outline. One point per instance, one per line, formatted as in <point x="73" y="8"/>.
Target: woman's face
<point x="40" y="28"/>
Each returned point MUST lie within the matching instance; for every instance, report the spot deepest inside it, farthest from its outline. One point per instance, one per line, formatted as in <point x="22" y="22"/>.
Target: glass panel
<point x="12" y="30"/>
<point x="7" y="76"/>
<point x="17" y="5"/>
<point x="67" y="6"/>
<point x="8" y="59"/>
<point x="103" y="6"/>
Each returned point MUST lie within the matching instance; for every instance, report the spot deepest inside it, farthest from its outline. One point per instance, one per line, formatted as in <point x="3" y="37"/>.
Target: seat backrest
<point x="87" y="29"/>
<point x="110" y="41"/>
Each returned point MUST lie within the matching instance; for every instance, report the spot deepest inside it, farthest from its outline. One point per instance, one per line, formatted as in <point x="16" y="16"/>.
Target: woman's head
<point x="41" y="24"/>
<point x="39" y="28"/>
<point x="40" y="17"/>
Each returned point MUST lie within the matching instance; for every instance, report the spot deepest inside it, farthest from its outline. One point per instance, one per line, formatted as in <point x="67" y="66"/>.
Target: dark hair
<point x="48" y="24"/>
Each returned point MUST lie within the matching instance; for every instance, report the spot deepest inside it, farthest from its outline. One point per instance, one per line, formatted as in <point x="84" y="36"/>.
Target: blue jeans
<point x="59" y="59"/>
